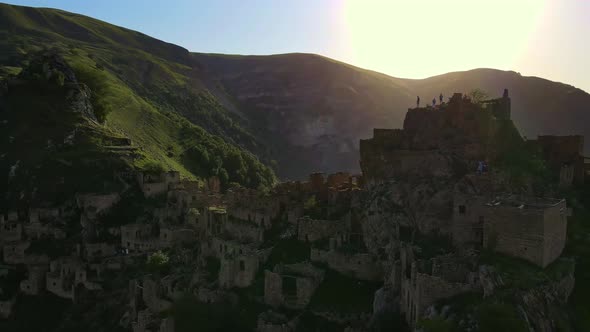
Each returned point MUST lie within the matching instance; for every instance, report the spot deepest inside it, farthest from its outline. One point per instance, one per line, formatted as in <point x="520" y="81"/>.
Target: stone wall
<point x="516" y="232"/>
<point x="528" y="228"/>
<point x="35" y="281"/>
<point x="555" y="232"/>
<point x="14" y="253"/>
<point x="244" y="231"/>
<point x="260" y="217"/>
<point x="422" y="289"/>
<point x="303" y="277"/>
<point x="380" y="164"/>
<point x="151" y="294"/>
<point x="310" y="230"/>
<point x="240" y="270"/>
<point x="155" y="184"/>
<point x="429" y="138"/>
<point x="362" y="266"/>
<point x="10" y="231"/>
<point x="139" y="237"/>
<point x="95" y="204"/>
<point x="37" y="230"/>
<point x="467" y="226"/>
<point x="99" y="250"/>
<point x="219" y="248"/>
<point x="564" y="150"/>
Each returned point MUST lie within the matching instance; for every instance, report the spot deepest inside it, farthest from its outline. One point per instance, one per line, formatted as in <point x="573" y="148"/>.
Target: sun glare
<point x="421" y="38"/>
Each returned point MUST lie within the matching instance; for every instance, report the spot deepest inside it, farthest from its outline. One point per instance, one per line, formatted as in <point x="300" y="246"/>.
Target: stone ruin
<point x="530" y="228"/>
<point x="291" y="286"/>
<point x="564" y="156"/>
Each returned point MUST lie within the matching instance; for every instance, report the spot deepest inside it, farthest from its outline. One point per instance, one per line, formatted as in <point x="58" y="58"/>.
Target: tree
<point x="478" y="95"/>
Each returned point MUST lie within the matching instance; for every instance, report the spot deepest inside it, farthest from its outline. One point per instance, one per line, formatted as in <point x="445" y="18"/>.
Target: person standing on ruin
<point x="433" y="102"/>
<point x="440" y="98"/>
<point x="417" y="101"/>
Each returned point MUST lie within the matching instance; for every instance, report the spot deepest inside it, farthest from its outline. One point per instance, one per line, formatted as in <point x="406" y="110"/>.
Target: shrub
<point x="158" y="261"/>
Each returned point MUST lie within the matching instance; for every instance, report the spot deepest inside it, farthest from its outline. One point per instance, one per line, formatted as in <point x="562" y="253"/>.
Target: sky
<point x="401" y="38"/>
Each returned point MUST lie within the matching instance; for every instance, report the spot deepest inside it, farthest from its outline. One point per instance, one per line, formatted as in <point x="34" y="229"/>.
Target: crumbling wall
<point x="468" y="217"/>
<point x="95" y="204"/>
<point x="273" y="289"/>
<point x="310" y="230"/>
<point x="564" y="150"/>
<point x="139" y="237"/>
<point x="555" y="232"/>
<point x="35" y="281"/>
<point x="10" y="231"/>
<point x="303" y="276"/>
<point x="151" y="295"/>
<point x="516" y="232"/>
<point x="244" y="231"/>
<point x="14" y="253"/>
<point x="240" y="270"/>
<point x="155" y="184"/>
<point x="99" y="250"/>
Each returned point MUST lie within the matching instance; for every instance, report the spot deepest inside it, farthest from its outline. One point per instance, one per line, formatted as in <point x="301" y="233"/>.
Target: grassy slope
<point x="130" y="72"/>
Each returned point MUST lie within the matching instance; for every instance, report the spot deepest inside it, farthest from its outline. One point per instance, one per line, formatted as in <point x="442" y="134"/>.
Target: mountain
<point x="130" y="96"/>
<point x="298" y="113"/>
<point x="322" y="107"/>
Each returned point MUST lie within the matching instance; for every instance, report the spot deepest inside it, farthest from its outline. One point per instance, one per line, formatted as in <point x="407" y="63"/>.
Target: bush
<point x="158" y="261"/>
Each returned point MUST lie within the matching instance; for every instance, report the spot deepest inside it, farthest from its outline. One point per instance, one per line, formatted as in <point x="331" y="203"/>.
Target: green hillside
<point x="134" y="93"/>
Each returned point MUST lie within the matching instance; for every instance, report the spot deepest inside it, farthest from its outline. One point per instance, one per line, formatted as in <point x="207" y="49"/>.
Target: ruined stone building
<point x="150" y="237"/>
<point x="311" y="230"/>
<point x="422" y="282"/>
<point x="35" y="280"/>
<point x="291" y="286"/>
<point x="66" y="274"/>
<point x="93" y="204"/>
<point x="239" y="269"/>
<point x="154" y="184"/>
<point x="10" y="231"/>
<point x="147" y="300"/>
<point x="533" y="229"/>
<point x="432" y="139"/>
<point x="564" y="156"/>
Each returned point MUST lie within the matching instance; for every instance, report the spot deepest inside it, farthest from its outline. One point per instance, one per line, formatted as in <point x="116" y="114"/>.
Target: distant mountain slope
<point x="321" y="107"/>
<point x="299" y="112"/>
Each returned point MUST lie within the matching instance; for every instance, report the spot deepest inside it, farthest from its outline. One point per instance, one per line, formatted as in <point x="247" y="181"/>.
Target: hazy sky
<point x="405" y="38"/>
